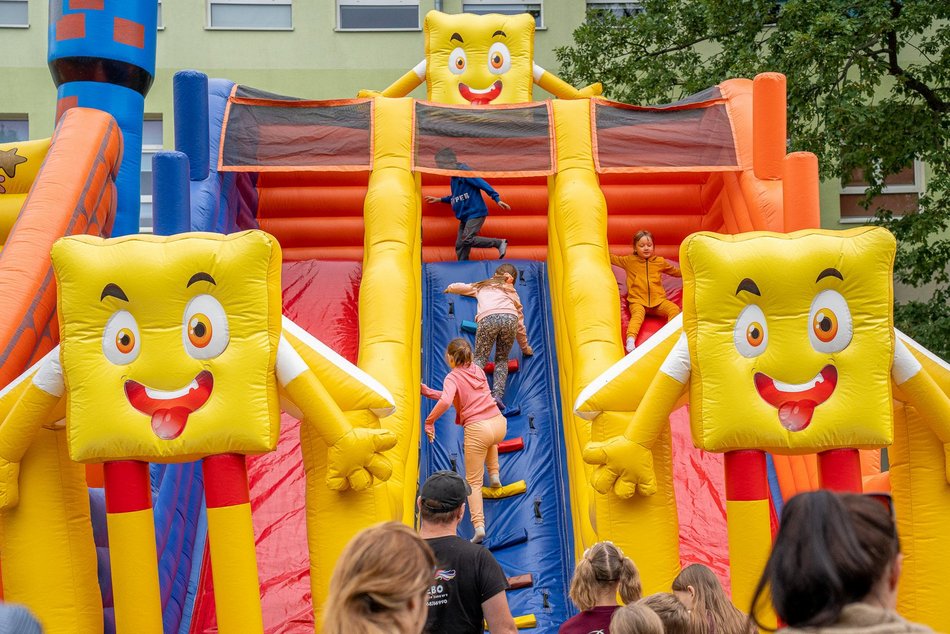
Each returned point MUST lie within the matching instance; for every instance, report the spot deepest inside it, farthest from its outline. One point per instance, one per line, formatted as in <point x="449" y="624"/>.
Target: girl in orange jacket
<point x="645" y="293"/>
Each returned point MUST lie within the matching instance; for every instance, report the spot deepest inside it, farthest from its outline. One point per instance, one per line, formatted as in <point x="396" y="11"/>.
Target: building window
<point x="901" y="194"/>
<point x="250" y="14"/>
<point x="151" y="144"/>
<point x="505" y="7"/>
<point x="377" y="15"/>
<point x="14" y="13"/>
<point x="618" y="9"/>
<point x="161" y="25"/>
<point x="14" y="127"/>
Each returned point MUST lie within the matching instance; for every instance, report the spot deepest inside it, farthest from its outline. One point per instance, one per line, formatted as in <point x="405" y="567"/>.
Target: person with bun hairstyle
<point x="374" y="592"/>
<point x="466" y="387"/>
<point x="699" y="589"/>
<point x="601" y="573"/>
<point x="834" y="567"/>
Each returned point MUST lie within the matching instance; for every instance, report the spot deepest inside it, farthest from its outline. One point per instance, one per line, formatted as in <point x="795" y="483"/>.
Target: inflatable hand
<point x="594" y="90"/>
<point x="9" y="484"/>
<point x="357" y="457"/>
<point x="622" y="464"/>
<point x="368" y="94"/>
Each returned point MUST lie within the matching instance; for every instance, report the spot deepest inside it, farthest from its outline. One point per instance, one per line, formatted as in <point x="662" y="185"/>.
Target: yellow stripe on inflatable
<point x="235" y="569"/>
<point x="133" y="556"/>
<point x="750" y="540"/>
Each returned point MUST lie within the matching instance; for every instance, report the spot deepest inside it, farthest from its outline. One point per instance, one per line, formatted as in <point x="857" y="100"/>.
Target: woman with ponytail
<point x="380" y="583"/>
<point x="599" y="576"/>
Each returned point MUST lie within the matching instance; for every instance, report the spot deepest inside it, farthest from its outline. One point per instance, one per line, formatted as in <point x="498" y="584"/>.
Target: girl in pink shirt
<point x="484" y="426"/>
<point x="500" y="320"/>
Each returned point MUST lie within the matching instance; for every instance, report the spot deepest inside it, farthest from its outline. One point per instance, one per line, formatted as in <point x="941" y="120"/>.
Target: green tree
<point x="868" y="90"/>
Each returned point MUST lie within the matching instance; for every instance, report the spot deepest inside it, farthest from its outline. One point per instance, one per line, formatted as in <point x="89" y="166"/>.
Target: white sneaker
<point x="631" y="344"/>
<point x="479" y="535"/>
<point x="494" y="481"/>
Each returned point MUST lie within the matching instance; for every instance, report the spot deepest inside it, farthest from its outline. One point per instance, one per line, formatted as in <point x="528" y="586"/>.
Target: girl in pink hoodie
<point x="466" y="388"/>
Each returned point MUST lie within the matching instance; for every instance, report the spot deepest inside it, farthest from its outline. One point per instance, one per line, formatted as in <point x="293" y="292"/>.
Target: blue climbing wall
<point x="528" y="533"/>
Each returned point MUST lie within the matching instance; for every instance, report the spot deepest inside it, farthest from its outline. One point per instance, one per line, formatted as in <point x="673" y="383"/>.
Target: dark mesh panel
<point x="499" y="141"/>
<point x="632" y="138"/>
<point x="247" y="92"/>
<point x="297" y="135"/>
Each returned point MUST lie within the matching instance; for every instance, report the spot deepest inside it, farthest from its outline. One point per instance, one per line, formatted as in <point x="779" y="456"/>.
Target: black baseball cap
<point x="444" y="491"/>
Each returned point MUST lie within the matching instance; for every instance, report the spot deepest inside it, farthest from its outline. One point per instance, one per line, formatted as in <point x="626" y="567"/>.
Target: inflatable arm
<point x="561" y="89"/>
<point x="402" y="86"/>
<point x="625" y="463"/>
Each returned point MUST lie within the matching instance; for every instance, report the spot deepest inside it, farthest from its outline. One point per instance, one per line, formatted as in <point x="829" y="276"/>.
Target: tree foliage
<point x="868" y="90"/>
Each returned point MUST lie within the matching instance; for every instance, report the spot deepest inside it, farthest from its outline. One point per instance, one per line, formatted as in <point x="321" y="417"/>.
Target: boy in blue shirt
<point x="469" y="207"/>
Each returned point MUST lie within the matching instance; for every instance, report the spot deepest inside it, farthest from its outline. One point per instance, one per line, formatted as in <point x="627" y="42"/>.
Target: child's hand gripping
<point x="623" y="464"/>
<point x="357" y="457"/>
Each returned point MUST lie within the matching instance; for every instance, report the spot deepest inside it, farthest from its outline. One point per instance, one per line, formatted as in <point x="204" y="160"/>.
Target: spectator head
<point x="446" y="159"/>
<point x="675" y="616"/>
<point x="635" y="618"/>
<point x="604" y="570"/>
<point x="442" y="498"/>
<point x="699" y="589"/>
<point x="374" y="591"/>
<point x="831" y="550"/>
<point x="458" y="353"/>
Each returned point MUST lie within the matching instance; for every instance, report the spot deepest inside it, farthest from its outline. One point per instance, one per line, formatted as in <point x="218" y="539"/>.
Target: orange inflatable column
<point x="800" y="191"/>
<point x="768" y="125"/>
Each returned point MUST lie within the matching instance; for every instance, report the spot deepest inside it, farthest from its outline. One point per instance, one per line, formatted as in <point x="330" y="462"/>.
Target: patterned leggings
<point x="498" y="330"/>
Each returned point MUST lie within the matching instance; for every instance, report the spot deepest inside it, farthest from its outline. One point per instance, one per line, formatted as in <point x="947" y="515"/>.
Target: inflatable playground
<point x="296" y="266"/>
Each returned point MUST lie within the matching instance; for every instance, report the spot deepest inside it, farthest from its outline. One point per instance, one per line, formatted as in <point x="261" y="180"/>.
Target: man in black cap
<point x="469" y="585"/>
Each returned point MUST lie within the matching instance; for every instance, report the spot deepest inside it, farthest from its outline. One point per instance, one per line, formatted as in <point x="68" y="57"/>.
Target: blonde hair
<point x="460" y="351"/>
<point x="635" y="618"/>
<point x="711" y="606"/>
<point x="604" y="567"/>
<point x="676" y="618"/>
<point x="375" y="579"/>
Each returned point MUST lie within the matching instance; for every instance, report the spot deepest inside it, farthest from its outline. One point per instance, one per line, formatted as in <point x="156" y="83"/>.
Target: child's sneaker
<point x="479" y="535"/>
<point x="631" y="344"/>
<point x="502" y="249"/>
<point x="494" y="481"/>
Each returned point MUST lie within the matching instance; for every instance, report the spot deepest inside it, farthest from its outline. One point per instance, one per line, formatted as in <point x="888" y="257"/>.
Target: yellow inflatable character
<point x="173" y="349"/>
<point x="786" y="345"/>
<point x="479" y="60"/>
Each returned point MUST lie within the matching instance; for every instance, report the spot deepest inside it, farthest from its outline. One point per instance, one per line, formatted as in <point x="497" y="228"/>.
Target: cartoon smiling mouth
<point x="480" y="97"/>
<point x="796" y="403"/>
<point x="170" y="409"/>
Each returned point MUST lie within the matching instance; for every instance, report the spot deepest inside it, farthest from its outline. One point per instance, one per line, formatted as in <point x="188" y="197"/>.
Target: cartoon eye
<point x="205" y="327"/>
<point x="751" y="335"/>
<point x="829" y="322"/>
<point x="499" y="59"/>
<point x="120" y="340"/>
<point x="457" y="61"/>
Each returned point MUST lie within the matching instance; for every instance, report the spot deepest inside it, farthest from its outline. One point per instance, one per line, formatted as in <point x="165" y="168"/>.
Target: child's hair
<point x="460" y="351"/>
<point x="445" y="158"/>
<point x="635" y="618"/>
<point x="379" y="572"/>
<point x="498" y="278"/>
<point x="831" y="549"/>
<point x="642" y="233"/>
<point x="676" y="618"/>
<point x="711" y="606"/>
<point x="604" y="567"/>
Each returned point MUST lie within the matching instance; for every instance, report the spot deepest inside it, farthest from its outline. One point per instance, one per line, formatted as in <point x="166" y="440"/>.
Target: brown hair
<point x="635" y="619"/>
<point x="460" y="351"/>
<point x="604" y="567"/>
<point x="642" y="233"/>
<point x="711" y="606"/>
<point x="377" y="576"/>
<point x="498" y="278"/>
<point x="676" y="618"/>
<point x="831" y="549"/>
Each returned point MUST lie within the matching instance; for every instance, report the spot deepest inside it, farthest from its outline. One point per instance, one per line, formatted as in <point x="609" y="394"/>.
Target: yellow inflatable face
<point x="791" y="339"/>
<point x="479" y="59"/>
<point x="169" y="345"/>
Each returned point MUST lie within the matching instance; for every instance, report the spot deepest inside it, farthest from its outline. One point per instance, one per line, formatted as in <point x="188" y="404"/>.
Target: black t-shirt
<point x="467" y="576"/>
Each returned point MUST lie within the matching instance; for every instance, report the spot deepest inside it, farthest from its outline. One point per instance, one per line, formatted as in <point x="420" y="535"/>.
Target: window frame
<point x="591" y="5"/>
<point x="918" y="187"/>
<point x="210" y="27"/>
<point x="19" y="26"/>
<point x="160" y="21"/>
<point x="9" y="117"/>
<point x="150" y="150"/>
<point x="339" y="28"/>
<point x="541" y="24"/>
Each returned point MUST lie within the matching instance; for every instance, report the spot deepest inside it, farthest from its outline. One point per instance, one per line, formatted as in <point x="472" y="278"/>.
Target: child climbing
<point x="645" y="293"/>
<point x="500" y="320"/>
<point x="466" y="387"/>
<point x="469" y="207"/>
